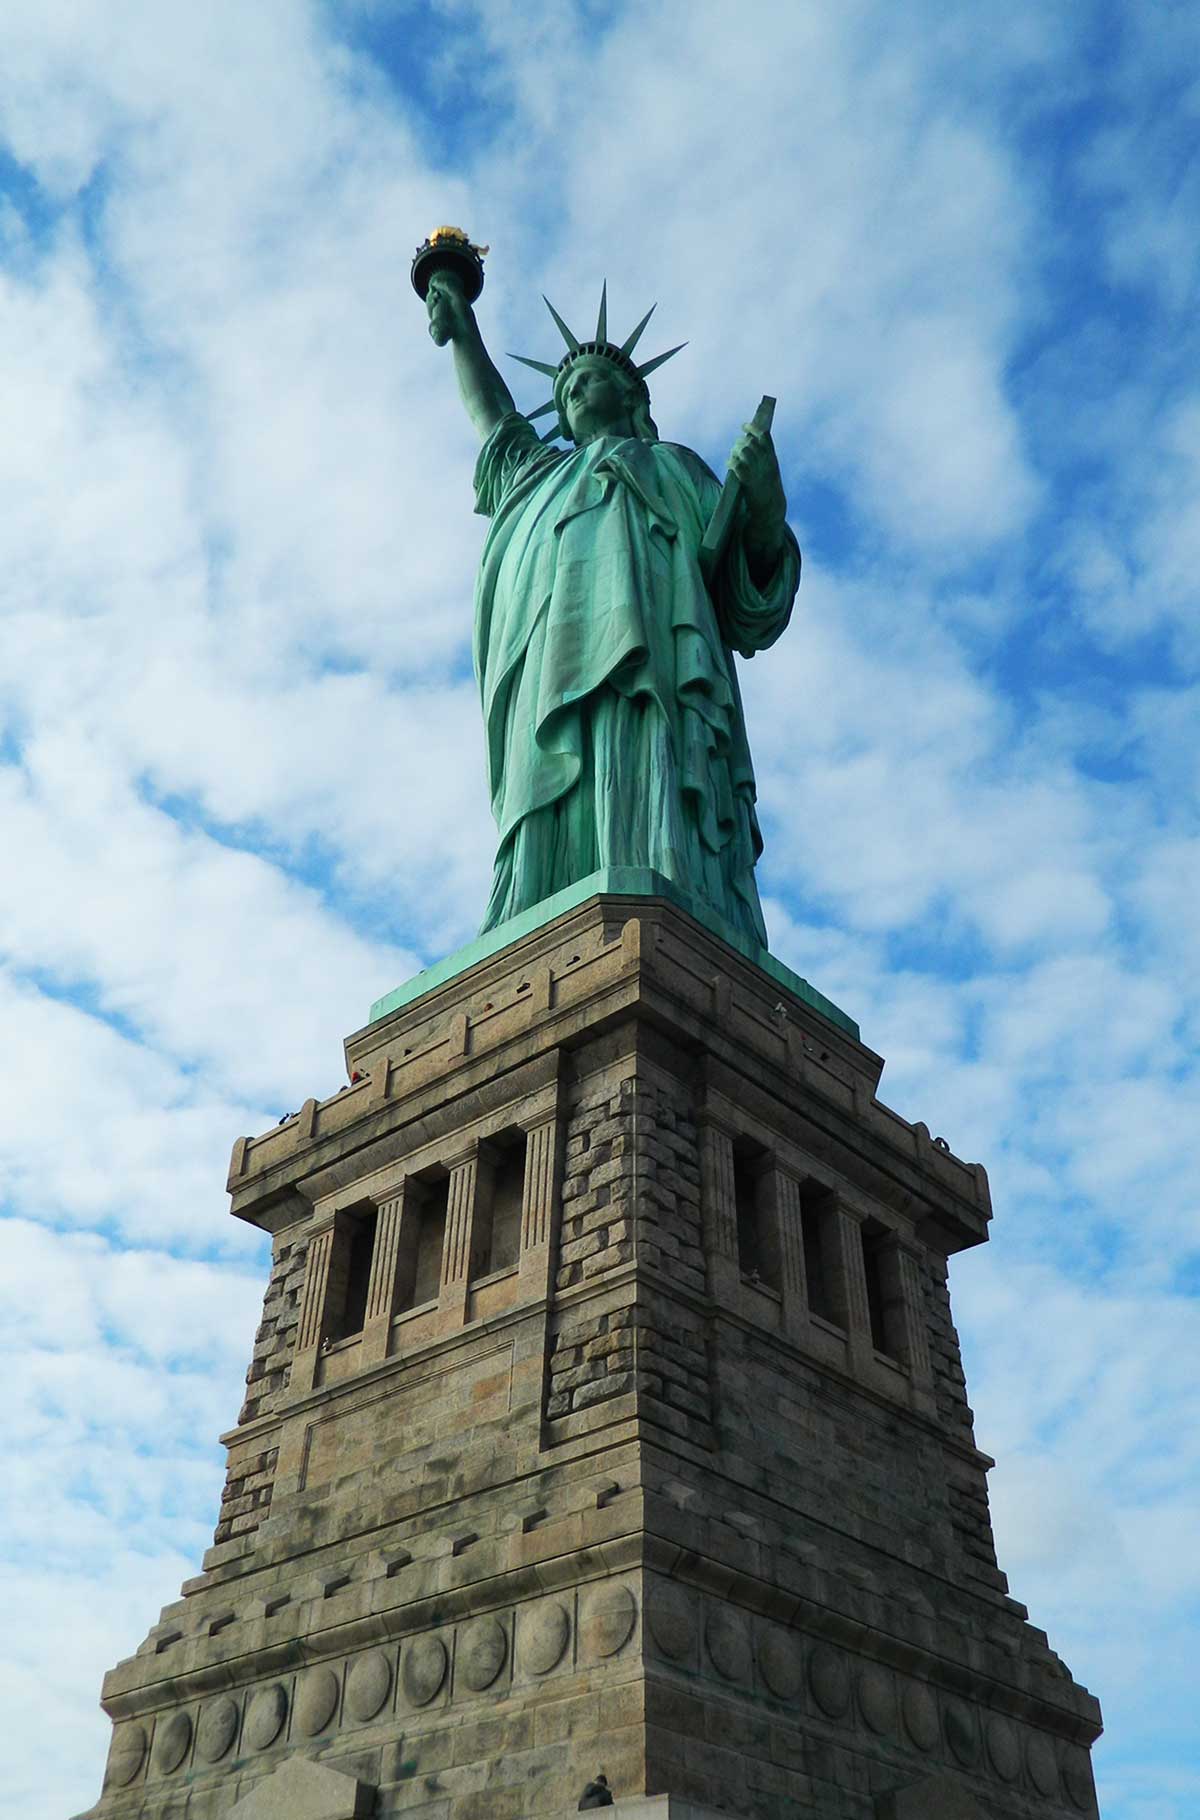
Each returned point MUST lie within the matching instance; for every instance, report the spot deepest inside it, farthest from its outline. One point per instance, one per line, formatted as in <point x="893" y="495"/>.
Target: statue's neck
<point x="606" y="436"/>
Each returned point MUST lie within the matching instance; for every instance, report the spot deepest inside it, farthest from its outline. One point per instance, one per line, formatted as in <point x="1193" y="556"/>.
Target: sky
<point x="241" y="774"/>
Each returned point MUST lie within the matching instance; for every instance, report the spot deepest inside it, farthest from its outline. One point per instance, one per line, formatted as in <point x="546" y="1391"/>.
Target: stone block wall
<point x="950" y="1383"/>
<point x="631" y="1178"/>
<point x="975" y="1547"/>
<point x="246" y="1496"/>
<point x="630" y="1196"/>
<point x="592" y="1359"/>
<point x="820" y="1448"/>
<point x="275" y="1340"/>
<point x="250" y="1473"/>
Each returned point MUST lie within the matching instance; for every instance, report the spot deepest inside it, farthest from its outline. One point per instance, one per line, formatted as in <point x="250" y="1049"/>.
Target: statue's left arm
<point x="756" y="581"/>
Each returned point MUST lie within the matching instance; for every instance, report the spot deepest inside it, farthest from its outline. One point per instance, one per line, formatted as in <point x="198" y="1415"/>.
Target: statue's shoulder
<point x="688" y="459"/>
<point x="515" y="432"/>
<point x="512" y="459"/>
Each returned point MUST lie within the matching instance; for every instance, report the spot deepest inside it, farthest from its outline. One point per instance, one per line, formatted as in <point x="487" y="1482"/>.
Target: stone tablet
<point x="423" y="1670"/>
<point x="217" y="1729"/>
<point x="172" y="1738"/>
<point x="544" y="1633"/>
<point x="265" y="1716"/>
<point x="316" y="1701"/>
<point x="607" y="1615"/>
<point x="482" y="1649"/>
<point x="125" y="1755"/>
<point x="370" y="1682"/>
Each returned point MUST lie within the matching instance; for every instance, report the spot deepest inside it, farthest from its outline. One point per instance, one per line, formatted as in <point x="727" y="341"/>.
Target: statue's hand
<point x="754" y="462"/>
<point x="449" y="311"/>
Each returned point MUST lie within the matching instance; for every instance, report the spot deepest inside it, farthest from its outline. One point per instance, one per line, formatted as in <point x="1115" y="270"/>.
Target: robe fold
<point x="612" y="718"/>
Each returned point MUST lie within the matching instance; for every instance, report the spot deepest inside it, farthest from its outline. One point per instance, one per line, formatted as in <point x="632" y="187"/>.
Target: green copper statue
<point x="604" y="631"/>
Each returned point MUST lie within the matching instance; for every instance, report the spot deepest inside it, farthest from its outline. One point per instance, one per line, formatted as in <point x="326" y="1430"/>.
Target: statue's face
<point x="596" y="400"/>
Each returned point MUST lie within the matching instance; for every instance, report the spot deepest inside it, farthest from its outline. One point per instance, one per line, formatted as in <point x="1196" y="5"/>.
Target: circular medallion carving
<point x="829" y="1679"/>
<point x="171" y="1740"/>
<point x="671" y="1615"/>
<point x="607" y="1616"/>
<point x="125" y="1755"/>
<point x="1043" y="1765"/>
<point x="877" y="1698"/>
<point x="780" y="1663"/>
<point x="424" y="1670"/>
<point x="482" y="1648"/>
<point x="728" y="1644"/>
<point x="1003" y="1749"/>
<point x="265" y="1716"/>
<point x="1077" y="1774"/>
<point x="962" y="1733"/>
<point x="370" y="1682"/>
<point x="544" y="1633"/>
<point x="217" y="1729"/>
<point x="316" y="1701"/>
<point x="920" y="1715"/>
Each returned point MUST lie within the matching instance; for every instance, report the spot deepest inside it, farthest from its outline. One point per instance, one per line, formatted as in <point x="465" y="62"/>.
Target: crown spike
<point x="564" y="331"/>
<point x="541" y="410"/>
<point x="660" y="359"/>
<point x="539" y="366"/>
<point x="631" y="342"/>
<point x="602" y="317"/>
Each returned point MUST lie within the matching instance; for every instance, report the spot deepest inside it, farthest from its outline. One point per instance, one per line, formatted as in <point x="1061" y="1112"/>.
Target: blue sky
<point x="240" y="768"/>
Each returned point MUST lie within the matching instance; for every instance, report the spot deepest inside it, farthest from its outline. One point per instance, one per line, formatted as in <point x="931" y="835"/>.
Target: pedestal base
<point x="606" y="1415"/>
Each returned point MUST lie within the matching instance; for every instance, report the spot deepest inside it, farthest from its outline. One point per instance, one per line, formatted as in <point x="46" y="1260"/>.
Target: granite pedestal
<point x="606" y="1414"/>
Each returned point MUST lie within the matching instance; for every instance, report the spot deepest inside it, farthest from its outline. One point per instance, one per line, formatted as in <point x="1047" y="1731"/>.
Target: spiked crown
<point x="621" y="356"/>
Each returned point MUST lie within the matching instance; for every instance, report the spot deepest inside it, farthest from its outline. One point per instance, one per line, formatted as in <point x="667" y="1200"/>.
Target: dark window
<point x="422" y="1236"/>
<point x="503" y="1223"/>
<point x="360" y="1256"/>
<point x="758" y="1250"/>
<point x="814" y="1213"/>
<point x="874" y="1292"/>
<point x="884" y="1293"/>
<point x="350" y="1262"/>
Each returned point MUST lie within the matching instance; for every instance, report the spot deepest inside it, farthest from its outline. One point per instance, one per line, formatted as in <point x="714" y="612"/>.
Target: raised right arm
<point x="452" y="319"/>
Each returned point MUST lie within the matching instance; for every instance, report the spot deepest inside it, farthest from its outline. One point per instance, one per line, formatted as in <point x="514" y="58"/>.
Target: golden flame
<point x="459" y="236"/>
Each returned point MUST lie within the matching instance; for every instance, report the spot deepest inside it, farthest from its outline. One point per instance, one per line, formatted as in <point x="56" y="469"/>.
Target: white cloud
<point x="1082" y="1394"/>
<point x="122" y="1366"/>
<point x="183" y="938"/>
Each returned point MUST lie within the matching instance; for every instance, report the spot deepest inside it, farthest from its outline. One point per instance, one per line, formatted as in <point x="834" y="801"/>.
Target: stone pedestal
<point x="606" y="1415"/>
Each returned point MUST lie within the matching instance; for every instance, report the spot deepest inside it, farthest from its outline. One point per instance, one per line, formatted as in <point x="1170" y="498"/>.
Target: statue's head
<point x="599" y="389"/>
<point x="599" y="392"/>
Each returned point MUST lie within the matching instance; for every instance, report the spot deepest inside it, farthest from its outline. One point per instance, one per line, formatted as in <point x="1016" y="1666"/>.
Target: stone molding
<point x="413" y="1051"/>
<point x="808" y="1618"/>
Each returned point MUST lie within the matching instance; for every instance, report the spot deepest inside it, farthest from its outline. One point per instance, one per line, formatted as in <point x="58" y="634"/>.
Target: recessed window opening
<point x="758" y="1251"/>
<point x="422" y="1236"/>
<point x="883" y="1292"/>
<point x="814" y="1213"/>
<point x="360" y="1254"/>
<point x="497" y="1243"/>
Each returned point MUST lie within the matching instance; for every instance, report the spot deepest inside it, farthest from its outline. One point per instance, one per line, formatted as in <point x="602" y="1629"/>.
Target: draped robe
<point x="612" y="717"/>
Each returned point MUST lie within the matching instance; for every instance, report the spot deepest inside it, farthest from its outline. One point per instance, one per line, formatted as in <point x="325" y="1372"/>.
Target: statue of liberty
<point x="605" y="622"/>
